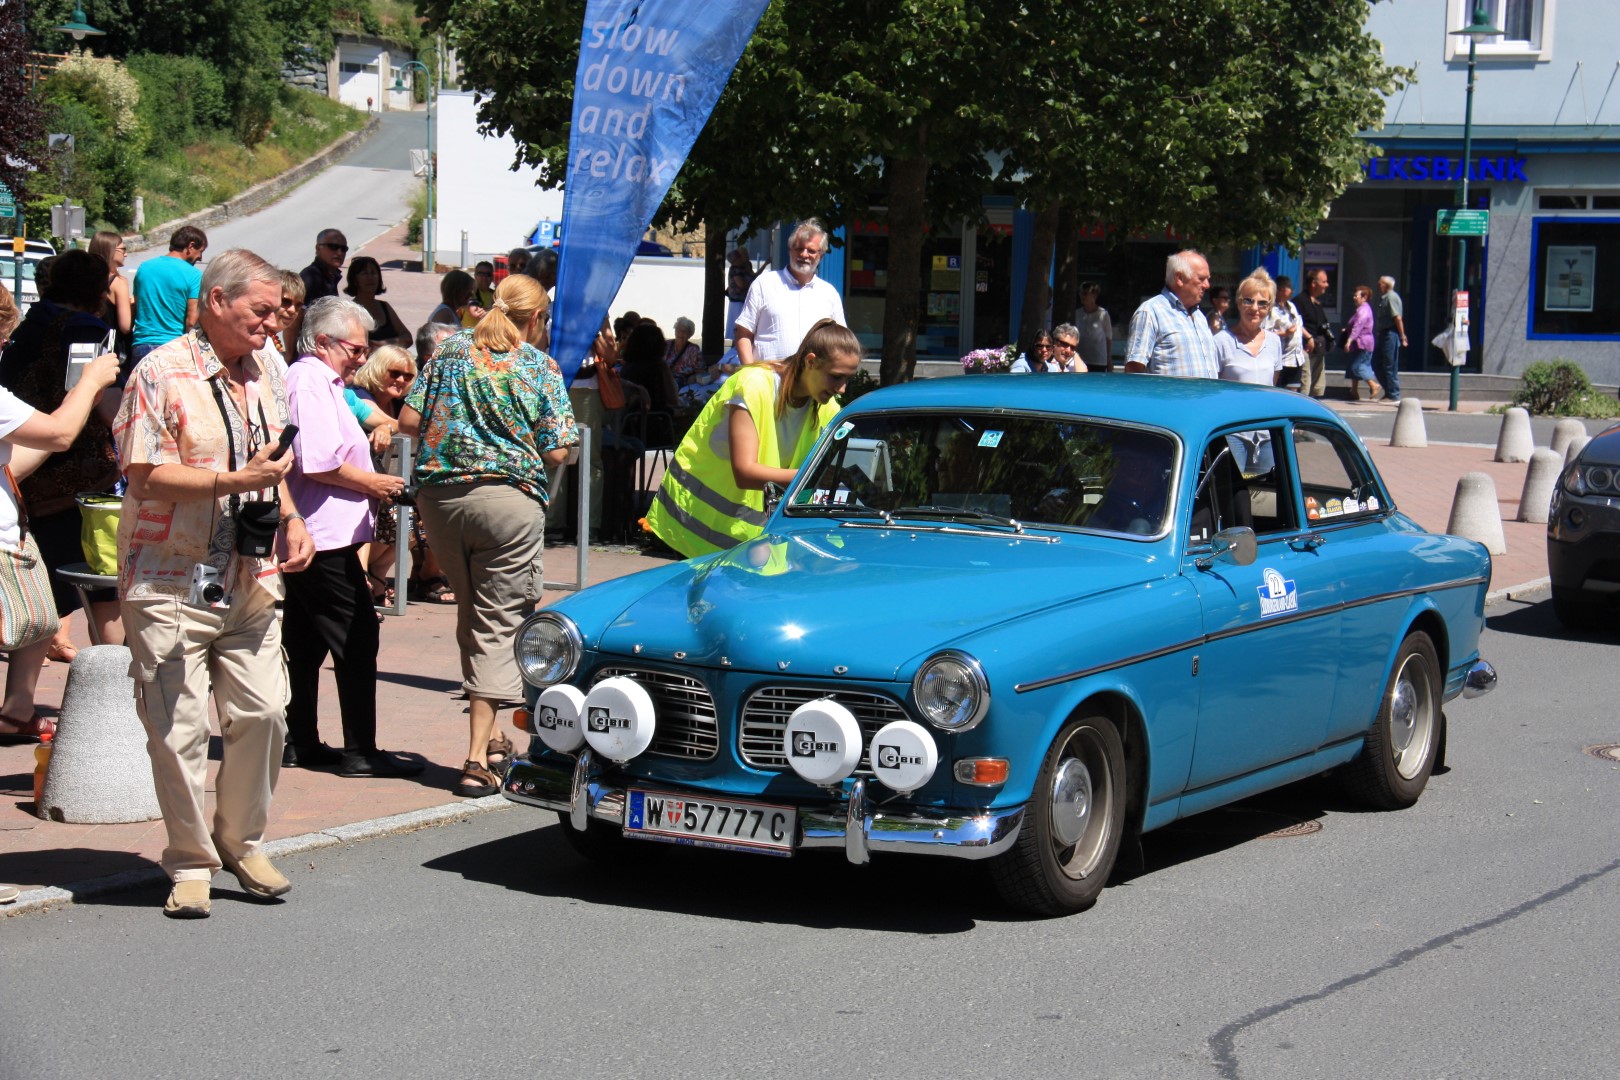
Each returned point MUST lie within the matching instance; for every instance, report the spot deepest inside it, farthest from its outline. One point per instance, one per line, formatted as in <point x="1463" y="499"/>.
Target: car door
<point x="1266" y="671"/>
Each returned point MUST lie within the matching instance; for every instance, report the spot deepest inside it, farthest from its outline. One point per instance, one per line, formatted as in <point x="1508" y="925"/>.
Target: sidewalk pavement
<point x="422" y="714"/>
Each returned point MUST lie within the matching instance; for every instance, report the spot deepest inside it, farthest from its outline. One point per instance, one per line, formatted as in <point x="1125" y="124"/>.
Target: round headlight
<point x="548" y="647"/>
<point x="951" y="692"/>
<point x="1600" y="478"/>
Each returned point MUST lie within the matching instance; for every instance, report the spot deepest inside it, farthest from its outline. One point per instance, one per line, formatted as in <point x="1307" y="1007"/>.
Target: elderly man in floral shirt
<point x="197" y="433"/>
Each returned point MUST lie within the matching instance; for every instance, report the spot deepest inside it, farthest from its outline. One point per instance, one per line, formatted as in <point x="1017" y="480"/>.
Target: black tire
<point x="1577" y="613"/>
<point x="1072" y="827"/>
<point x="1394" y="766"/>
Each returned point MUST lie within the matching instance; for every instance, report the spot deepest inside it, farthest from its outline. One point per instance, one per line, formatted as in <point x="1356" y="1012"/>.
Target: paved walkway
<point x="422" y="713"/>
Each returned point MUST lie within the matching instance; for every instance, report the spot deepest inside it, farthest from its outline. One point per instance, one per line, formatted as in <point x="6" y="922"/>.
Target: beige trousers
<point x="489" y="539"/>
<point x="180" y="656"/>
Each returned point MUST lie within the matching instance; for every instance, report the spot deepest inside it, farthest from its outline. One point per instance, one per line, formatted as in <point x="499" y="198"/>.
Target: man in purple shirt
<point x="329" y="608"/>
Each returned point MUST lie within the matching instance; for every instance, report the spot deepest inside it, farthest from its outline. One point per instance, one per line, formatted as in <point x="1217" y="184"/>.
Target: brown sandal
<point x="500" y="751"/>
<point x="32" y="730"/>
<point x="476" y="781"/>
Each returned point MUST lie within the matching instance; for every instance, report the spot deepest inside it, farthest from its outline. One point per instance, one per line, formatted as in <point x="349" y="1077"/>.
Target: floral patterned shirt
<point x="172" y="415"/>
<point x="487" y="417"/>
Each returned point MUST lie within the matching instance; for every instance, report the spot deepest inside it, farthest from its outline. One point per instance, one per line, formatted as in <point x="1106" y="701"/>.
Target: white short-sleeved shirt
<point x="1237" y="365"/>
<point x="779" y="312"/>
<point x="14" y="413"/>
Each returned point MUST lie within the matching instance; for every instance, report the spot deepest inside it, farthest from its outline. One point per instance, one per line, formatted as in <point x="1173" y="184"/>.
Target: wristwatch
<point x="285" y="518"/>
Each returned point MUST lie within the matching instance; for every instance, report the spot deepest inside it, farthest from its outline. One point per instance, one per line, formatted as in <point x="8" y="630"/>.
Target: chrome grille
<point x="765" y="716"/>
<point x="687" y="727"/>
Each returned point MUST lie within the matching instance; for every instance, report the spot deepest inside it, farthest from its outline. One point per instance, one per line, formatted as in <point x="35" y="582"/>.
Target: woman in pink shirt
<point x="1359" y="347"/>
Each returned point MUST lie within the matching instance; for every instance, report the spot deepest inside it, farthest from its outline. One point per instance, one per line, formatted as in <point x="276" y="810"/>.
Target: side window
<point x="1335" y="478"/>
<point x="1245" y="481"/>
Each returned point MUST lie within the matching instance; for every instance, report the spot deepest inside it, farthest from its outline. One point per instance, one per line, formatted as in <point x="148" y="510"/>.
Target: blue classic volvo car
<point x="1014" y="620"/>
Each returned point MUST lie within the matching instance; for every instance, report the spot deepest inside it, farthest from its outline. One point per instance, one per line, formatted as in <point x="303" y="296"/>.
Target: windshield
<point x="984" y="467"/>
<point x="8" y="267"/>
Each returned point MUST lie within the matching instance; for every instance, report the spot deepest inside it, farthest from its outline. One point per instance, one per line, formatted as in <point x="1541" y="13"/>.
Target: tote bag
<point x="27" y="608"/>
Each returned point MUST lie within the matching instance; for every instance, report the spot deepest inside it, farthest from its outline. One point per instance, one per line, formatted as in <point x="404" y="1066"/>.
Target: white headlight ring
<point x="557" y="716"/>
<point x="822" y="742"/>
<point x="904" y="756"/>
<point x="619" y="719"/>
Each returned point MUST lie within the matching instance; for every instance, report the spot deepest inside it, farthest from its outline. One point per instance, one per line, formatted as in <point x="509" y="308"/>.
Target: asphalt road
<point x="1472" y="936"/>
<point x="364" y="195"/>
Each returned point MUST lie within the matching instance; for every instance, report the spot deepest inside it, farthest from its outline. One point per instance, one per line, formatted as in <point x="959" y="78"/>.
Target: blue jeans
<point x="1387" y="363"/>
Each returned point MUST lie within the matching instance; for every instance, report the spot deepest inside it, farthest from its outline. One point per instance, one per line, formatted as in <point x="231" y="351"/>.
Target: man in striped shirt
<point x="1169" y="335"/>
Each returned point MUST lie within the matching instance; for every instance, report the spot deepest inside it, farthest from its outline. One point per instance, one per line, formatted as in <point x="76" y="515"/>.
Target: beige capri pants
<point x="489" y="538"/>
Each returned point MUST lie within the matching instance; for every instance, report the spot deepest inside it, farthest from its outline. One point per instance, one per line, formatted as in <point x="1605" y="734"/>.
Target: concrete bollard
<point x="1474" y="512"/>
<point x="99" y="771"/>
<point x="1576" y="445"/>
<point x="1565" y="432"/>
<point x="1536" y="500"/>
<point x="1409" y="429"/>
<point x="1514" y="442"/>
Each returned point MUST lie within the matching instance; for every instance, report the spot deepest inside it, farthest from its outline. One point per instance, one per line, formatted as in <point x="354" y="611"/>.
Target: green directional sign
<point x="8" y="202"/>
<point x="1463" y="222"/>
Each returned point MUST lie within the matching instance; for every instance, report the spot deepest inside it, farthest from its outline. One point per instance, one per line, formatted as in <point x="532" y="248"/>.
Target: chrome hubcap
<point x="1411" y="718"/>
<point x="1071" y="802"/>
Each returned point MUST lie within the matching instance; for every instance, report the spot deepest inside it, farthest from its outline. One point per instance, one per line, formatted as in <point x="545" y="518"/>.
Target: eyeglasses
<point x="335" y="247"/>
<point x="400" y="373"/>
<point x="354" y="350"/>
<point x="1061" y="344"/>
<point x="1249" y="301"/>
<point x="1043" y="344"/>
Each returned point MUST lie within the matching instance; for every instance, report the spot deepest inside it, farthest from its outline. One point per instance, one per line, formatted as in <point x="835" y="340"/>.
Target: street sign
<point x="8" y="202"/>
<point x="1463" y="222"/>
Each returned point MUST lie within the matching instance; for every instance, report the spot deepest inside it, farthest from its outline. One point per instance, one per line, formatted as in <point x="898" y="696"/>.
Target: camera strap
<point x="225" y="415"/>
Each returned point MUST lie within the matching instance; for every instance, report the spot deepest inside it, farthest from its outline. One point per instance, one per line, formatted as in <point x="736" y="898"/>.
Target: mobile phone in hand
<point x="287" y="435"/>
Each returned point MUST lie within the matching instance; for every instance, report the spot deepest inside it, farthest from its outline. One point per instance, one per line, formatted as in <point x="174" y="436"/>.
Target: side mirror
<point x="1237" y="544"/>
<point x="773" y="495"/>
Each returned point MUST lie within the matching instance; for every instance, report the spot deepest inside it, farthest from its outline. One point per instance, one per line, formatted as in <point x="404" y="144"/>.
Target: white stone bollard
<point x="1409" y="429"/>
<point x="1576" y="445"/>
<point x="1474" y="512"/>
<point x="1536" y="500"/>
<point x="99" y="771"/>
<point x="1565" y="432"/>
<point x="1514" y="442"/>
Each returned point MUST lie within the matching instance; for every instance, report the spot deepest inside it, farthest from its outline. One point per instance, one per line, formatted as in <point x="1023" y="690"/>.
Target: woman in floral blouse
<point x="492" y="416"/>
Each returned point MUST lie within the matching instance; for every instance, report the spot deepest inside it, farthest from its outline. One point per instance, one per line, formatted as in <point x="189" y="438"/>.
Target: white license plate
<point x="742" y="826"/>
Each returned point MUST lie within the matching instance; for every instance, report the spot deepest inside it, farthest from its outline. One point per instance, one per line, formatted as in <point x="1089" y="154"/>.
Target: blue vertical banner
<point x="649" y="74"/>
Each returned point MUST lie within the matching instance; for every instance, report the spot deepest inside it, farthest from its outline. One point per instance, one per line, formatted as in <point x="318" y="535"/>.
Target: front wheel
<point x="1394" y="765"/>
<point x="1072" y="827"/>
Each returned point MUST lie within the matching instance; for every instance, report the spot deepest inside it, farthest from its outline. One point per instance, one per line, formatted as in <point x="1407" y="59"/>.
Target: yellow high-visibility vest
<point x="699" y="508"/>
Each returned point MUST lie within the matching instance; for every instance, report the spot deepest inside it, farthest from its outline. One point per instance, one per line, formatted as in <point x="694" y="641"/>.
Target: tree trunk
<point x="1037" y="283"/>
<point x="907" y="193"/>
<point x="715" y="330"/>
<point x="1066" y="293"/>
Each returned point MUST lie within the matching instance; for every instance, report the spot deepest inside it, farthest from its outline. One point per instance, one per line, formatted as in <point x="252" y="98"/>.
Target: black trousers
<point x="329" y="611"/>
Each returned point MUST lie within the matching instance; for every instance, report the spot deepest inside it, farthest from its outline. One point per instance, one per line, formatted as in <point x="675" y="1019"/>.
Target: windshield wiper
<point x="838" y="509"/>
<point x="959" y="512"/>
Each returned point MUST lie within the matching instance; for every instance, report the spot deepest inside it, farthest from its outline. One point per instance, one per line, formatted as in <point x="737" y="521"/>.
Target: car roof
<point x="1182" y="405"/>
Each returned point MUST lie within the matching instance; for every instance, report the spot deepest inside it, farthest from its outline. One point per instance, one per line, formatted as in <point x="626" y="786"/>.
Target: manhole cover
<point x="1606" y="751"/>
<point x="1240" y="822"/>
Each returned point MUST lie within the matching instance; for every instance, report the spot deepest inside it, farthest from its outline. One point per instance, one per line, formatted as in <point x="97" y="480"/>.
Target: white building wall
<point x="478" y="190"/>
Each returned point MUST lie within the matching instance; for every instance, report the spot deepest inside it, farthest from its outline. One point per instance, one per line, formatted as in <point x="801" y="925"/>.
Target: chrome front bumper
<point x="1480" y="680"/>
<point x="850" y="824"/>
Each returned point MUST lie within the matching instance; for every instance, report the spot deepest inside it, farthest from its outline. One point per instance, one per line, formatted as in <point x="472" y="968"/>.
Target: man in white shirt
<point x="784" y="304"/>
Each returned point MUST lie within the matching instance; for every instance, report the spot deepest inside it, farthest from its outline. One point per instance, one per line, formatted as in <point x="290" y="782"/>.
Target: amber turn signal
<point x="520" y="721"/>
<point x="981" y="771"/>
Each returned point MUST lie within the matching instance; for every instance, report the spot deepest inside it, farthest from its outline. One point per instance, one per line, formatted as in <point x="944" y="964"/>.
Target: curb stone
<point x="44" y="899"/>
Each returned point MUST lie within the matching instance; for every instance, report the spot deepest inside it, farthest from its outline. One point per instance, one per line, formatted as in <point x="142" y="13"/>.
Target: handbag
<point x="98" y="532"/>
<point x="27" y="608"/>
<point x="609" y="387"/>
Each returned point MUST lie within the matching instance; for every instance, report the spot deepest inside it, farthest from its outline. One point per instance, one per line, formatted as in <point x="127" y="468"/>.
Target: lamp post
<point x="1479" y="28"/>
<point x="77" y="28"/>
<point x="427" y="225"/>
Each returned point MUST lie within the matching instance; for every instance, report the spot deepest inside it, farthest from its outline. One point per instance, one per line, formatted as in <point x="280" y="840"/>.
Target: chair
<point x="655" y="428"/>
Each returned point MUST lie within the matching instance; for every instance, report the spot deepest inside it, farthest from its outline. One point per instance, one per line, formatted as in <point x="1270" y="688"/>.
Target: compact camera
<point x="206" y="590"/>
<point x="405" y="496"/>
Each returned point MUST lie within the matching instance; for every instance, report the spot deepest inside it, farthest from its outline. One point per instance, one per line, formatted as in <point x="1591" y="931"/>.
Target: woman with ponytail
<point x="491" y="417"/>
<point x="757" y="429"/>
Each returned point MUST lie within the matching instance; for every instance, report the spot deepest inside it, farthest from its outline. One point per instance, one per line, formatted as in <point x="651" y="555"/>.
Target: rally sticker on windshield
<point x="1277" y="595"/>
<point x="843" y="430"/>
<point x="990" y="438"/>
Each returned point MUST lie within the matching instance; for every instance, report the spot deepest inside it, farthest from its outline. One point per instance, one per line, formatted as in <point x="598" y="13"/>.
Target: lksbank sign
<point x="1508" y="170"/>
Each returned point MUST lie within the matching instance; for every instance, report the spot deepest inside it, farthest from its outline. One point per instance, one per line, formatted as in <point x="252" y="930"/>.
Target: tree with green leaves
<point x="22" y="127"/>
<point x="1222" y="120"/>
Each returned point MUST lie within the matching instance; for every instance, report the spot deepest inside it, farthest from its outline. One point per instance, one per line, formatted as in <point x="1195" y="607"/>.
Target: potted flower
<point x="989" y="361"/>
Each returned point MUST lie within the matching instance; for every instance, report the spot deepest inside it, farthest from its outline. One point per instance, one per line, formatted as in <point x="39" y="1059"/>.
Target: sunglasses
<point x="398" y="373"/>
<point x="1249" y="301"/>
<point x="1061" y="344"/>
<point x="354" y="350"/>
<point x="336" y="247"/>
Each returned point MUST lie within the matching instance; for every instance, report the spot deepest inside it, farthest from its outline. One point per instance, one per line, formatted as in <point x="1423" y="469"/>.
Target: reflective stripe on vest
<point x="713" y="499"/>
<point x="698" y="530"/>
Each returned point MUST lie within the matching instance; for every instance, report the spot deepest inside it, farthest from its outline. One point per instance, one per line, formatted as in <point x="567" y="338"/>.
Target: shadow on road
<point x="1538" y="620"/>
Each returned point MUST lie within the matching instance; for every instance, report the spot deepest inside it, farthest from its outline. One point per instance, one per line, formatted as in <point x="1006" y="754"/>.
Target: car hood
<point x="1604" y="449"/>
<point x="860" y="603"/>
